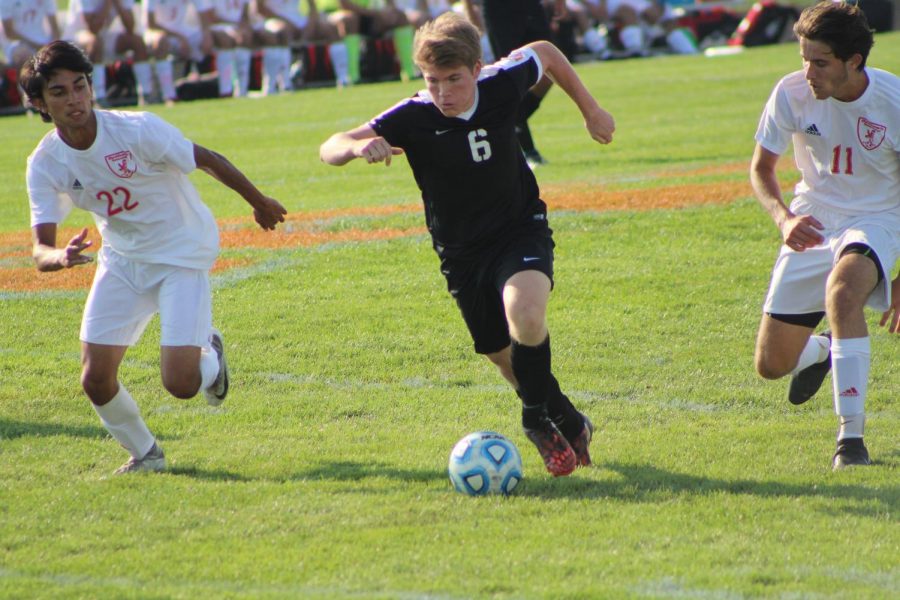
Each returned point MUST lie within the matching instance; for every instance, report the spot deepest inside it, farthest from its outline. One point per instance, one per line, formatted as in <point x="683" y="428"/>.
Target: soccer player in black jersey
<point x="483" y="209"/>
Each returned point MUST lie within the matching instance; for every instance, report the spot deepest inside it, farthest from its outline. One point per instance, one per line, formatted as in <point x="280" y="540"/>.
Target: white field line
<point x="212" y="588"/>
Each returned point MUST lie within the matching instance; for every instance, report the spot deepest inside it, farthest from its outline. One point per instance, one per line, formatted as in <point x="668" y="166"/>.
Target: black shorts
<point x="511" y="24"/>
<point x="477" y="285"/>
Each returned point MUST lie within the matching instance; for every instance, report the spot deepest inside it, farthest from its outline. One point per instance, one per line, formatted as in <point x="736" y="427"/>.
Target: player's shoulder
<point x="517" y="59"/>
<point x="886" y="83"/>
<point x="794" y="84"/>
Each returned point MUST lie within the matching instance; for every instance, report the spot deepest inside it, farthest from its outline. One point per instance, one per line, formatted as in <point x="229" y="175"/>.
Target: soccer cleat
<point x="807" y="382"/>
<point x="215" y="394"/>
<point x="581" y="442"/>
<point x="851" y="452"/>
<point x="558" y="456"/>
<point x="153" y="461"/>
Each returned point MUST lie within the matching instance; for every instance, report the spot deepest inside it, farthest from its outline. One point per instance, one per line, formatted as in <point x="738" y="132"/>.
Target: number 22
<point x="118" y="193"/>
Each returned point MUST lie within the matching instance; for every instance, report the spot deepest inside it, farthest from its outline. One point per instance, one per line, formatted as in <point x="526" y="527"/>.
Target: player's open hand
<point x="71" y="255"/>
<point x="269" y="213"/>
<point x="601" y="125"/>
<point x="377" y="149"/>
<point x="801" y="232"/>
<point x="891" y="317"/>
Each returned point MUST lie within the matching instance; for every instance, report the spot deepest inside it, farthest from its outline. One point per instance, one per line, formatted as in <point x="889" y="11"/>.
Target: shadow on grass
<point x="646" y="483"/>
<point x="10" y="430"/>
<point x="335" y="471"/>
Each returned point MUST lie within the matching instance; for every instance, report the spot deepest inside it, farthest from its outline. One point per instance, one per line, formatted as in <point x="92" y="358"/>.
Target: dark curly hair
<point x="36" y="72"/>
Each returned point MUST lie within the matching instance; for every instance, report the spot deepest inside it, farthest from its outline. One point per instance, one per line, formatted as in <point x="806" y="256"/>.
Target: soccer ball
<point x="484" y="463"/>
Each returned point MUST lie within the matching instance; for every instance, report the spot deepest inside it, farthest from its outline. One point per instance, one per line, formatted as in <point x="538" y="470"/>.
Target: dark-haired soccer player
<point x="842" y="231"/>
<point x="129" y="170"/>
<point x="483" y="209"/>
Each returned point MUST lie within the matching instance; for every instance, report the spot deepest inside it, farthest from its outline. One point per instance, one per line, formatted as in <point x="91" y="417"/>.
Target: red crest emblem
<point x="870" y="134"/>
<point x="121" y="164"/>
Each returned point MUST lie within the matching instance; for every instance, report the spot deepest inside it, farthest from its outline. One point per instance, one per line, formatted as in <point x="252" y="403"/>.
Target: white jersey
<point x="29" y="17"/>
<point x="176" y="15"/>
<point x="78" y="8"/>
<point x="229" y="11"/>
<point x="848" y="153"/>
<point x="133" y="180"/>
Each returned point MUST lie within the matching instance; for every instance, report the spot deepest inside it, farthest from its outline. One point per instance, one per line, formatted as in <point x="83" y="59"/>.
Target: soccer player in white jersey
<point x="129" y="170"/>
<point x="171" y="29"/>
<point x="841" y="232"/>
<point x="483" y="209"/>
<point x="279" y="25"/>
<point x="26" y="26"/>
<point x="232" y="35"/>
<point x="107" y="28"/>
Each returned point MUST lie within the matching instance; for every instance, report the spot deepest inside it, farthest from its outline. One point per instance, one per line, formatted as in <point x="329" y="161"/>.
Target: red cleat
<point x="559" y="458"/>
<point x="582" y="441"/>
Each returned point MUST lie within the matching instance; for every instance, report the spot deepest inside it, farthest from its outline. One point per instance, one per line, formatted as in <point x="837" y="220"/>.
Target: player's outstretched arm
<point x="47" y="257"/>
<point x="797" y="232"/>
<point x="361" y="142"/>
<point x="557" y="67"/>
<point x="268" y="212"/>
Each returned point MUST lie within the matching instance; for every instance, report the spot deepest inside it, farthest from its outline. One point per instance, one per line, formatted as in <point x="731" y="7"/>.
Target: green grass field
<point x="324" y="474"/>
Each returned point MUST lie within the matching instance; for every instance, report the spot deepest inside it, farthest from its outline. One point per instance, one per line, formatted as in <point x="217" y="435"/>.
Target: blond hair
<point x="446" y="42"/>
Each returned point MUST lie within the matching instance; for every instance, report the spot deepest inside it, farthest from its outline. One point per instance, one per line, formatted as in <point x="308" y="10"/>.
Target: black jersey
<point x="475" y="183"/>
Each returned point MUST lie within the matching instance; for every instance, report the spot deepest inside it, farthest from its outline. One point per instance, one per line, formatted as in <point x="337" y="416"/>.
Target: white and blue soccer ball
<point x="484" y="463"/>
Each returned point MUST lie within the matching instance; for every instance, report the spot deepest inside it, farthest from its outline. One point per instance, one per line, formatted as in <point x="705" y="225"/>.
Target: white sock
<point x="850" y="360"/>
<point x="99" y="81"/>
<point x="166" y="79"/>
<point x="680" y="42"/>
<point x="271" y="67"/>
<point x="225" y="69"/>
<point x="144" y="75"/>
<point x="242" y="59"/>
<point x="487" y="52"/>
<point x="594" y="41"/>
<point x="816" y="351"/>
<point x="209" y="367"/>
<point x="340" y="60"/>
<point x="122" y="419"/>
<point x="632" y="38"/>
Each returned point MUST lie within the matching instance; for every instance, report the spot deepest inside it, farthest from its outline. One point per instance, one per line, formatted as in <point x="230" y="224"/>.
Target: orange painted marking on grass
<point x="257" y="238"/>
<point x="305" y="229"/>
<point x="680" y="196"/>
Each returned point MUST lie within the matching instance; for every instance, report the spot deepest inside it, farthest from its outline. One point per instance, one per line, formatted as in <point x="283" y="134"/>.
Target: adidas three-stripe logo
<point x="812" y="130"/>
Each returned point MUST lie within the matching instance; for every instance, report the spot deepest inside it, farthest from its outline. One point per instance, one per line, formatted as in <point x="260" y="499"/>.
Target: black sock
<point x="524" y="135"/>
<point x="561" y="411"/>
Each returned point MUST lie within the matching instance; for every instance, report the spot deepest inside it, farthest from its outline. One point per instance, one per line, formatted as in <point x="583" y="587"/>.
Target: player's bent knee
<point x="182" y="385"/>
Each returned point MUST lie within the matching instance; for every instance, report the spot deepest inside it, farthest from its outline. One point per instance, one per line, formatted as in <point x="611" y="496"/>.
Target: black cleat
<point x="851" y="452"/>
<point x="582" y="441"/>
<point x="807" y="382"/>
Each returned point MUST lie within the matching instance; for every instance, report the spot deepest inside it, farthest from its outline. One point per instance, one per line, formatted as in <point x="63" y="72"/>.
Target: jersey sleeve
<point x="775" y="128"/>
<point x="392" y="124"/>
<point x="49" y="203"/>
<point x="162" y="142"/>
<point x="523" y="66"/>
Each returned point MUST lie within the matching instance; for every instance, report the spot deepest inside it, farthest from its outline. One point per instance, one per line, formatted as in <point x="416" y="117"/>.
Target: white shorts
<point x="126" y="294"/>
<point x="274" y="23"/>
<point x="799" y="278"/>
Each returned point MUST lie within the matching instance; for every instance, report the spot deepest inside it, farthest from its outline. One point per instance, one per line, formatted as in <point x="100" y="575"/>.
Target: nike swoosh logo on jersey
<point x="530" y="258"/>
<point x="440" y="131"/>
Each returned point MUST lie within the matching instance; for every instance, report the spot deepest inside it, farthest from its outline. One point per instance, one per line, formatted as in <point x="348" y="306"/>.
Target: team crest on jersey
<point x="121" y="163"/>
<point x="870" y="134"/>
